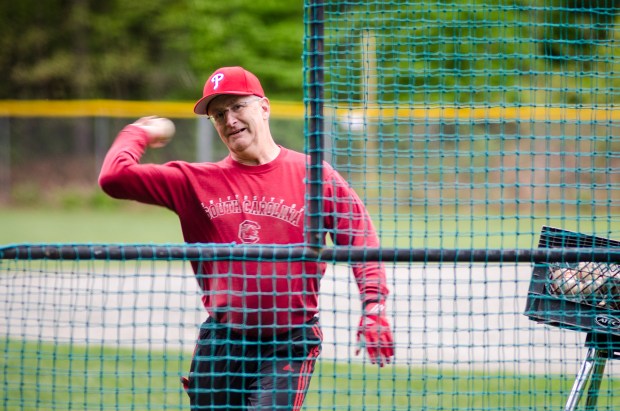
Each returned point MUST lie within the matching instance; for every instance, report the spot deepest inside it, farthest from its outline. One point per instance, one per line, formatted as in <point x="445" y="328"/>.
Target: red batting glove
<point x="375" y="334"/>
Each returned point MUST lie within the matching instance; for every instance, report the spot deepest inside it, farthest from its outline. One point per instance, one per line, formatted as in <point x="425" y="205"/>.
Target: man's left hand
<point x="375" y="334"/>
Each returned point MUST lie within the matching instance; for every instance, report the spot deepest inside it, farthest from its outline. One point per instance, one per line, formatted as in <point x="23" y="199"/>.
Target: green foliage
<point x="463" y="52"/>
<point x="471" y="52"/>
<point x="584" y="25"/>
<point x="454" y="53"/>
<point x="264" y="36"/>
<point x="160" y="49"/>
<point x="112" y="49"/>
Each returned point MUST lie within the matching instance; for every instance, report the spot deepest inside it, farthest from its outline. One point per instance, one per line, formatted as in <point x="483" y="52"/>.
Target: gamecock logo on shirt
<point x="248" y="232"/>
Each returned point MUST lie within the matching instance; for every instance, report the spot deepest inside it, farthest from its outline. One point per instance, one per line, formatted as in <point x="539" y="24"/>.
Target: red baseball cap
<point x="228" y="80"/>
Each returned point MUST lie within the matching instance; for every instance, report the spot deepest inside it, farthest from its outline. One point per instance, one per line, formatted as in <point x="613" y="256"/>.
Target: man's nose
<point x="229" y="117"/>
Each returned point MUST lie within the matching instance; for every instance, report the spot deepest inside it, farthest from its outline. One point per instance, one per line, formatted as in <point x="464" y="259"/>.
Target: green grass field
<point x="147" y="224"/>
<point x="47" y="376"/>
<point x="39" y="376"/>
<point x="139" y="224"/>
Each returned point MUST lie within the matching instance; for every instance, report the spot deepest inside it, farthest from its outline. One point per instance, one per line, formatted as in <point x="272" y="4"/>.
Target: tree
<point x="68" y="49"/>
<point x="462" y="52"/>
<point x="572" y="29"/>
<point x="264" y="36"/>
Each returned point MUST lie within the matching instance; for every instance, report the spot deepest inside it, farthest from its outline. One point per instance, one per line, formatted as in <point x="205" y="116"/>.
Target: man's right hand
<point x="159" y="130"/>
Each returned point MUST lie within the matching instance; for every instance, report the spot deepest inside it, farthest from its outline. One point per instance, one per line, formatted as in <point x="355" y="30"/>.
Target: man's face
<point x="241" y="121"/>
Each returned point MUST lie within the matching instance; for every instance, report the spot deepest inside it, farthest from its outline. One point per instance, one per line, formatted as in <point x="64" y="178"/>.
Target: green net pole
<point x="315" y="123"/>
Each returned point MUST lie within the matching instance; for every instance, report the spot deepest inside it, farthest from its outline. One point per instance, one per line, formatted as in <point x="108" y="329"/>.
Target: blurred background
<point x="69" y="65"/>
<point x="461" y="124"/>
<point x="156" y="51"/>
<point x="485" y="108"/>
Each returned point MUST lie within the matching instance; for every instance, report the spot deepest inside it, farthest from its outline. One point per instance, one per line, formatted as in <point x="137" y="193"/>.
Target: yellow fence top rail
<point x="122" y="108"/>
<point x="296" y="110"/>
<point x="486" y="113"/>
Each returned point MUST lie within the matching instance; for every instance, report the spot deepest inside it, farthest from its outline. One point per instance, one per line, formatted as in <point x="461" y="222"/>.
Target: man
<point x="258" y="347"/>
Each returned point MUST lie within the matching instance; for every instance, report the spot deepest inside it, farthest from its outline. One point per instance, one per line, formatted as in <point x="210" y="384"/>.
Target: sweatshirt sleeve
<point x="350" y="225"/>
<point x="123" y="177"/>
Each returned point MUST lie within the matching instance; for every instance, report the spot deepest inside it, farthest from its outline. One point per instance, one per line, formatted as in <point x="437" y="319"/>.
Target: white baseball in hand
<point x="159" y="130"/>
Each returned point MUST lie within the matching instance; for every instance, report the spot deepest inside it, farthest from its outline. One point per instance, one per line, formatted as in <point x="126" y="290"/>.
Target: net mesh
<point x="118" y="333"/>
<point x="462" y="121"/>
<point x="463" y="125"/>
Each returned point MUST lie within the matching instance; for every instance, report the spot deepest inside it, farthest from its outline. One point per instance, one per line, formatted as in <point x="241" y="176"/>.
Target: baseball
<point x="565" y="281"/>
<point x="591" y="278"/>
<point x="570" y="284"/>
<point x="586" y="280"/>
<point x="160" y="130"/>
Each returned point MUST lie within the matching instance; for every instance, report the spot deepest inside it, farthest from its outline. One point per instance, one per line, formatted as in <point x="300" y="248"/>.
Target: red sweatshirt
<point x="228" y="202"/>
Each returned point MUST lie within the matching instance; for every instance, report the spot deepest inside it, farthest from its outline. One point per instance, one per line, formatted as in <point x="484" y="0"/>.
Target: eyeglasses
<point x="219" y="116"/>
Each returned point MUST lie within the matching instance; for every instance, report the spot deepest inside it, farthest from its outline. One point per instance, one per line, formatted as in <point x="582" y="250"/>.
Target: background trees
<point x="160" y="49"/>
<point x="465" y="51"/>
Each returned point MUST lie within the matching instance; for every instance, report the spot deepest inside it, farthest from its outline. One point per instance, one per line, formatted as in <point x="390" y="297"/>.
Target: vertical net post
<point x="314" y="122"/>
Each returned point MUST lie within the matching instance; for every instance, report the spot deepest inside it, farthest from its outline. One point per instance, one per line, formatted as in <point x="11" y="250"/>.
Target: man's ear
<point x="265" y="107"/>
